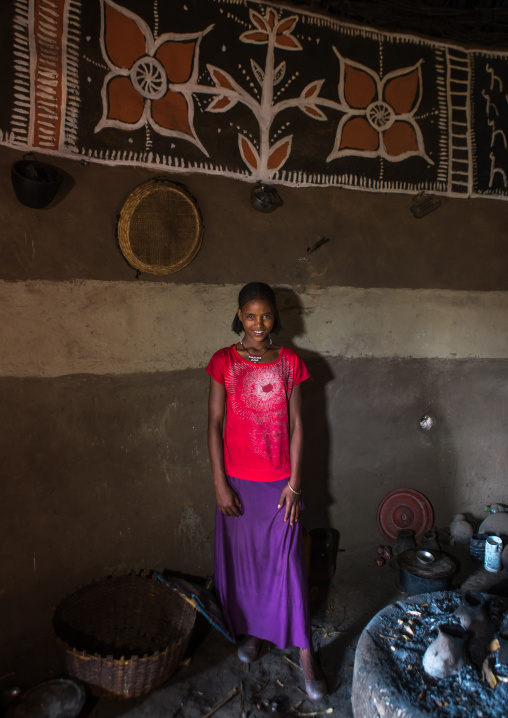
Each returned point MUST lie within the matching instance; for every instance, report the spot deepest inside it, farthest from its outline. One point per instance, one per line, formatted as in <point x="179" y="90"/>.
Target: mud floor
<point x="274" y="684"/>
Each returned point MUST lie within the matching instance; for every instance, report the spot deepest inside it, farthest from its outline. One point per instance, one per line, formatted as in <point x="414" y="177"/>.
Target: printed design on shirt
<point x="260" y="395"/>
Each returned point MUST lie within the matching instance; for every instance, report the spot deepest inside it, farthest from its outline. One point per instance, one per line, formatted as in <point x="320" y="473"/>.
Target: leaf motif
<point x="287" y="42"/>
<point x="313" y="112"/>
<point x="271" y="17"/>
<point x="258" y="72"/>
<point x="254" y="37"/>
<point x="279" y="72"/>
<point x="312" y="89"/>
<point x="287" y="24"/>
<point x="221" y="78"/>
<point x="279" y="153"/>
<point x="249" y="153"/>
<point x="222" y="104"/>
<point x="258" y="20"/>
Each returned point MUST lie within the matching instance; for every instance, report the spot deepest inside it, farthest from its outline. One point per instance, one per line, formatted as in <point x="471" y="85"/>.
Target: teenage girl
<point x="255" y="443"/>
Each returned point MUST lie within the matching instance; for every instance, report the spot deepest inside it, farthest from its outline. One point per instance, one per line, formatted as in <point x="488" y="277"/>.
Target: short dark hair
<point x="256" y="290"/>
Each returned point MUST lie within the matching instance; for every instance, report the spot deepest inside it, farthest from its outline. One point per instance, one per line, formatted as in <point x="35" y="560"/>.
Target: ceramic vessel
<point x="404" y="542"/>
<point x="429" y="541"/>
<point x="496" y="524"/>
<point x="477" y="546"/>
<point x="447" y="654"/>
<point x="471" y="612"/>
<point x="461" y="529"/>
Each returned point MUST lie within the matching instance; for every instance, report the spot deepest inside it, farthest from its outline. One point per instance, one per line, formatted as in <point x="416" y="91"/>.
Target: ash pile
<point x="442" y="654"/>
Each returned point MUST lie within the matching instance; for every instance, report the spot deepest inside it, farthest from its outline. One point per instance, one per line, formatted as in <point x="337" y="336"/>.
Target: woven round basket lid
<point x="404" y="509"/>
<point x="160" y="228"/>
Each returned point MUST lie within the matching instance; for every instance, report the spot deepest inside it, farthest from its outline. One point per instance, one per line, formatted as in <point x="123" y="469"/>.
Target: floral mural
<point x="256" y="91"/>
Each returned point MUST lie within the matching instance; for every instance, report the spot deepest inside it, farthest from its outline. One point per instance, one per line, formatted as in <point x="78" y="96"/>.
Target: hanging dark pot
<point x="35" y="183"/>
<point x="265" y="198"/>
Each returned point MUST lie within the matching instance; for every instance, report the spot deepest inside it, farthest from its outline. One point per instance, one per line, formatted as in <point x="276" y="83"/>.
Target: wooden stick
<point x="263" y="685"/>
<point x="292" y="663"/>
<point x="221" y="703"/>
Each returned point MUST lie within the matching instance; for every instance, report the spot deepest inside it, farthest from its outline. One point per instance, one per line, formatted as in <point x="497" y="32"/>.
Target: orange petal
<point x="271" y="17"/>
<point x="125" y="103"/>
<point x="357" y="134"/>
<point x="287" y="42"/>
<point x="171" y="112"/>
<point x="257" y="38"/>
<point x="258" y="20"/>
<point x="248" y="152"/>
<point x="177" y="59"/>
<point x="400" y="138"/>
<point x="287" y="24"/>
<point x="124" y="41"/>
<point x="222" y="79"/>
<point x="221" y="104"/>
<point x="401" y="92"/>
<point x="279" y="153"/>
<point x="359" y="88"/>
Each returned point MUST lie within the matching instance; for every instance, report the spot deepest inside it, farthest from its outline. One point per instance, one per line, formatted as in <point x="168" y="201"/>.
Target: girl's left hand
<point x="293" y="505"/>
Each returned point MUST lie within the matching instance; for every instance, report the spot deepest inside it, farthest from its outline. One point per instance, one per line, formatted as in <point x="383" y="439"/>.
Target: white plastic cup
<point x="493" y="551"/>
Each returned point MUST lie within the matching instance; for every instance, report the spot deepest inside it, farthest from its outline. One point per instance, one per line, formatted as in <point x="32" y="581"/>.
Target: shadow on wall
<point x="316" y="455"/>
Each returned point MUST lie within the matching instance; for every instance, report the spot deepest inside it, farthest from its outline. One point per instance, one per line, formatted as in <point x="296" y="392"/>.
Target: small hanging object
<point x="265" y="198"/>
<point x="35" y="183"/>
<point x="424" y="204"/>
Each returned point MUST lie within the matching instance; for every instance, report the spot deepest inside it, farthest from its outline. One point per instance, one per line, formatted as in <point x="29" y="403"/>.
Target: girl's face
<point x="257" y="317"/>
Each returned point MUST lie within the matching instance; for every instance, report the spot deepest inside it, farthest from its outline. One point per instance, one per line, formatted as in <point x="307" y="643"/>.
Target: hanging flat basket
<point x="160" y="229"/>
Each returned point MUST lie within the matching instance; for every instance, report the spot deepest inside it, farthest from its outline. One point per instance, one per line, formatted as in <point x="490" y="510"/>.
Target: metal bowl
<point x="425" y="556"/>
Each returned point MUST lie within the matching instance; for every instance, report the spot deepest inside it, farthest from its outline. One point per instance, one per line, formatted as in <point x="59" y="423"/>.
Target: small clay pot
<point x="471" y="612"/>
<point x="429" y="541"/>
<point x="461" y="529"/>
<point x="404" y="542"/>
<point x="446" y="656"/>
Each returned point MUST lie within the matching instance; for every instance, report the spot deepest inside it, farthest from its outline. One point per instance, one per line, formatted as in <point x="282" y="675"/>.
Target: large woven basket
<point x="123" y="636"/>
<point x="160" y="228"/>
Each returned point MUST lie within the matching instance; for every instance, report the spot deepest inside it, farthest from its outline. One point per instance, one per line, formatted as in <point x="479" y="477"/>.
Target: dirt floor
<point x="273" y="685"/>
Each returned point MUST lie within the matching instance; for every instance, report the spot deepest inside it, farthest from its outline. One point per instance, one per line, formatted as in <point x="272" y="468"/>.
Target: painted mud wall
<point x="103" y="388"/>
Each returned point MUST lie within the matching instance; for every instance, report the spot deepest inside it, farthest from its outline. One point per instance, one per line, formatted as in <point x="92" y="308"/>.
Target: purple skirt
<point x="260" y="572"/>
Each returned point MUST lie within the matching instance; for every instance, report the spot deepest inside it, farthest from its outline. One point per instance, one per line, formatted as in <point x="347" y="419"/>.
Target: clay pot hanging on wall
<point x="35" y="183"/>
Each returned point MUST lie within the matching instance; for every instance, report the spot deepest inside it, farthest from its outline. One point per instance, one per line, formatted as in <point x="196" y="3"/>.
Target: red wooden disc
<point x="404" y="509"/>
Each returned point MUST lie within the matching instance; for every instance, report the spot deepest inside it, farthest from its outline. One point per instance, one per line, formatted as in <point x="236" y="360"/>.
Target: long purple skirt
<point x="260" y="572"/>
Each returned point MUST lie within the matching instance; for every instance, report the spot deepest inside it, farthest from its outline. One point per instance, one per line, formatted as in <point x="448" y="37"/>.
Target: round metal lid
<point x="442" y="567"/>
<point x="404" y="509"/>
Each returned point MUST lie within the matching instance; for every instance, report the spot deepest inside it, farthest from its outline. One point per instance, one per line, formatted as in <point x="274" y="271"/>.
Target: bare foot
<point x="315" y="683"/>
<point x="309" y="665"/>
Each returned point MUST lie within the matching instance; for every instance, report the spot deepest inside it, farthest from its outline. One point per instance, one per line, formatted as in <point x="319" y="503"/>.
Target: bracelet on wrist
<point x="298" y="493"/>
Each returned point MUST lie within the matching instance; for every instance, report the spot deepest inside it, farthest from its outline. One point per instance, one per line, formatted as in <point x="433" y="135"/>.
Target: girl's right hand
<point x="228" y="502"/>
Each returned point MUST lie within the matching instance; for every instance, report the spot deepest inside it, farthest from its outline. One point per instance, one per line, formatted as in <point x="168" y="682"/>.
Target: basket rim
<point x="132" y="202"/>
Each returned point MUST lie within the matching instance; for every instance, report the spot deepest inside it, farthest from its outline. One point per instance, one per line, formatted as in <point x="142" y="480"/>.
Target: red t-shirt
<point x="256" y="428"/>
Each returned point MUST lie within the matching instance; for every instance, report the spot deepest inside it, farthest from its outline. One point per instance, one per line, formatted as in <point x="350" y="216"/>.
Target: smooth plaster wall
<point x="104" y="393"/>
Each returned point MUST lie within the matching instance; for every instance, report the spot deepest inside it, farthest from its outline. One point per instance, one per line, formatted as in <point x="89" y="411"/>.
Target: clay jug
<point x="461" y="529"/>
<point x="447" y="654"/>
<point x="404" y="542"/>
<point x="471" y="612"/>
<point x="430" y="541"/>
